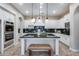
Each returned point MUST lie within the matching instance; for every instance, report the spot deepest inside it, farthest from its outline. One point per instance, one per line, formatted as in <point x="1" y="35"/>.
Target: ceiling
<point x="43" y="9"/>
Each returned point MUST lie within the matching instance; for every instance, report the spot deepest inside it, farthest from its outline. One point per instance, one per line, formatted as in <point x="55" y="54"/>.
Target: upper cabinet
<point x="62" y="23"/>
<point x="1" y="14"/>
<point x="50" y="23"/>
<point x="11" y="17"/>
<point x="64" y="20"/>
<point x="5" y="15"/>
<point x="54" y="24"/>
<point x="28" y="24"/>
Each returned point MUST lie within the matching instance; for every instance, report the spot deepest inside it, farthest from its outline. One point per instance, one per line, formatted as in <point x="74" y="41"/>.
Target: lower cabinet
<point x="65" y="39"/>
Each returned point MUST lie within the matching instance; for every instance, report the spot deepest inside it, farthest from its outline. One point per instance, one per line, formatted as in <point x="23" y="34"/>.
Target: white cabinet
<point x="1" y="14"/>
<point x="11" y="17"/>
<point x="65" y="39"/>
<point x="54" y="24"/>
<point x="63" y="20"/>
<point x="62" y="24"/>
<point x="50" y="24"/>
<point x="28" y="24"/>
<point x="6" y="16"/>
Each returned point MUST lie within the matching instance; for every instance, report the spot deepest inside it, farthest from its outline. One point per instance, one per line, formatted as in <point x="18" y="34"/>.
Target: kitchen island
<point x="51" y="39"/>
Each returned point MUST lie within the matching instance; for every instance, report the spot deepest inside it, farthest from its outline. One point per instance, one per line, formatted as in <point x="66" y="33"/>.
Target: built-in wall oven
<point x="8" y="36"/>
<point x="9" y="33"/>
<point x="9" y="26"/>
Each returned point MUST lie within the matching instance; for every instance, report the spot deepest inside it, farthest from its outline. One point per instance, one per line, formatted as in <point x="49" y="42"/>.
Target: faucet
<point x="38" y="32"/>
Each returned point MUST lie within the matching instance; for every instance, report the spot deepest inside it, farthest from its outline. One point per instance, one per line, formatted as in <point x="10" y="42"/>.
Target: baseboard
<point x="74" y="50"/>
<point x="8" y="46"/>
<point x="64" y="44"/>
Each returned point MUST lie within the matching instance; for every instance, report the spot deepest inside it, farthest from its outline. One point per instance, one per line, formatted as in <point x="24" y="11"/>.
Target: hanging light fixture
<point x="33" y="20"/>
<point x="47" y="13"/>
<point x="39" y="13"/>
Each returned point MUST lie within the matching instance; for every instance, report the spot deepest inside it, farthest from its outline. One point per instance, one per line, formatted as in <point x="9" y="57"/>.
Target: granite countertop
<point x="40" y="36"/>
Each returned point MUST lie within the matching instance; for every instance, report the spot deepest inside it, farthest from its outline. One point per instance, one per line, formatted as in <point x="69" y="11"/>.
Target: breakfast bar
<point x="50" y="39"/>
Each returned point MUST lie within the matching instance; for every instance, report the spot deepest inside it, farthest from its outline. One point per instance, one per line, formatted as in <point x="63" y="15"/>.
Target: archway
<point x="75" y="30"/>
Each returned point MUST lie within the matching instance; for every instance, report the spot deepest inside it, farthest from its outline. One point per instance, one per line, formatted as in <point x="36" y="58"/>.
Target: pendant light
<point x="47" y="13"/>
<point x="33" y="20"/>
<point x="39" y="12"/>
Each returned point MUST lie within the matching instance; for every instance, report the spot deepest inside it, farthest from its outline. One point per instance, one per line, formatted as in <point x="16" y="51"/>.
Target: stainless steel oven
<point x="9" y="36"/>
<point x="9" y="33"/>
<point x="9" y="27"/>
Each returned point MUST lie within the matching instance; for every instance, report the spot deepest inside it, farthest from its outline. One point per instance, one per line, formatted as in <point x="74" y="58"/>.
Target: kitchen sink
<point x="51" y="34"/>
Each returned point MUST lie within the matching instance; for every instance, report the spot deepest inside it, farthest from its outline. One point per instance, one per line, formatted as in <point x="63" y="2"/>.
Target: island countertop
<point x="41" y="36"/>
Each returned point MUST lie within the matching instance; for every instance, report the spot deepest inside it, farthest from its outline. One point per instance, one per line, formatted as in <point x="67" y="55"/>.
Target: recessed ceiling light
<point x="27" y="12"/>
<point x="41" y="3"/>
<point x="40" y="7"/>
<point x="20" y="4"/>
<point x="54" y="11"/>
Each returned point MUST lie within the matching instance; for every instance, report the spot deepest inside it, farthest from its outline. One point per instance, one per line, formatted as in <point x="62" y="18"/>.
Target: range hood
<point x="39" y="22"/>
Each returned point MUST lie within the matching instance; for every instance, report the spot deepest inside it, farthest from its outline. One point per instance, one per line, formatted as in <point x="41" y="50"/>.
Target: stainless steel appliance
<point x="9" y="26"/>
<point x="9" y="33"/>
<point x="9" y="36"/>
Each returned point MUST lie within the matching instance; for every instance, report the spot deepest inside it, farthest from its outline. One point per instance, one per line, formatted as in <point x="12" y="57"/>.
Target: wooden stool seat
<point x="40" y="47"/>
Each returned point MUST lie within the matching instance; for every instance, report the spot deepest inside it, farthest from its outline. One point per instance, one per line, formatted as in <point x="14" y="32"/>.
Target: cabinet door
<point x="1" y="14"/>
<point x="66" y="40"/>
<point x="6" y="16"/>
<point x="50" y="24"/>
<point x="11" y="17"/>
<point x="63" y="39"/>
